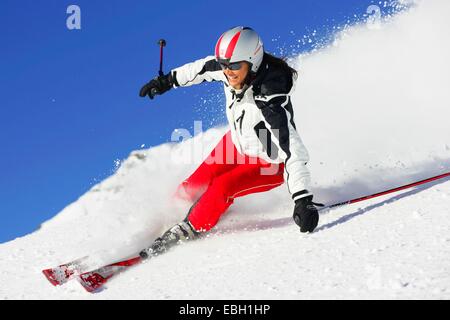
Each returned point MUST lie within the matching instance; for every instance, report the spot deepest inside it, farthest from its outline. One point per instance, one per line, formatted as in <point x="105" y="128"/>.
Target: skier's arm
<point x="207" y="69"/>
<point x="278" y="117"/>
<point x="277" y="112"/>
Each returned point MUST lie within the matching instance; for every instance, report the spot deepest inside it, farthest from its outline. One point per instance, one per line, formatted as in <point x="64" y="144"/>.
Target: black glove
<point x="157" y="86"/>
<point x="306" y="215"/>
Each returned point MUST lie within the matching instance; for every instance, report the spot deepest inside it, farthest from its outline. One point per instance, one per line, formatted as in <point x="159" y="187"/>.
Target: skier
<point x="261" y="150"/>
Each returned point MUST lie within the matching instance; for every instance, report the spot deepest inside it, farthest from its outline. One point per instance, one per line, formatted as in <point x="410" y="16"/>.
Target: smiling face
<point x="236" y="78"/>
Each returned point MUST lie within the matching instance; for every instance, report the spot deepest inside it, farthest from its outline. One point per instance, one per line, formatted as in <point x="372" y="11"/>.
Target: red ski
<point x="94" y="280"/>
<point x="65" y="272"/>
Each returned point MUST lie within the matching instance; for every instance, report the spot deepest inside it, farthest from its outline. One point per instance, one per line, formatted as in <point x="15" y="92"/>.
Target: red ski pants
<point x="224" y="176"/>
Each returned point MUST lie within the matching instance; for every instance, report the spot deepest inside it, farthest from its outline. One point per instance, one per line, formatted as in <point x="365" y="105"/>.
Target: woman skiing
<point x="261" y="151"/>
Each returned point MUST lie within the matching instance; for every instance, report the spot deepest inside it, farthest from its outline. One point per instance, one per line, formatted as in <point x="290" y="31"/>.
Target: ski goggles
<point x="232" y="66"/>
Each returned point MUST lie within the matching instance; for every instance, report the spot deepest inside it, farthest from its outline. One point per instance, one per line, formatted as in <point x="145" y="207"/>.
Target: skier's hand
<point x="157" y="86"/>
<point x="306" y="215"/>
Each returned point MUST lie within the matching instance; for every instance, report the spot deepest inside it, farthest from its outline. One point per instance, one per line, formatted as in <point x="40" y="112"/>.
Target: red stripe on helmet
<point x="218" y="46"/>
<point x="232" y="45"/>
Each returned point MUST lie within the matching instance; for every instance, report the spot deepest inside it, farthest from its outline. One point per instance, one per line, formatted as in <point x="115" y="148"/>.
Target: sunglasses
<point x="232" y="66"/>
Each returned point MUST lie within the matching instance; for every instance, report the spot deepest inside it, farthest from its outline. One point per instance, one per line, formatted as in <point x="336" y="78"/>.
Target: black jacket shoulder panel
<point x="272" y="79"/>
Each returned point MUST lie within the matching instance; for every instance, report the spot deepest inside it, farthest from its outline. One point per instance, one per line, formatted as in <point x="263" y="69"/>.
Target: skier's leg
<point x="244" y="179"/>
<point x="223" y="158"/>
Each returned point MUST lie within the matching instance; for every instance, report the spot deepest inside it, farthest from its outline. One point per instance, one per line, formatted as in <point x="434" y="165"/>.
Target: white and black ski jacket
<point x="260" y="116"/>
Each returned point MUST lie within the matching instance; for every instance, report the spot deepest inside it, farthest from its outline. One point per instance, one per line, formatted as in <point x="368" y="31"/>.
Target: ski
<point x="65" y="272"/>
<point x="93" y="281"/>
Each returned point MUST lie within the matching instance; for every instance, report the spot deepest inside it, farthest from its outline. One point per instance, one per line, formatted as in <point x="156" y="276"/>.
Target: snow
<point x="373" y="110"/>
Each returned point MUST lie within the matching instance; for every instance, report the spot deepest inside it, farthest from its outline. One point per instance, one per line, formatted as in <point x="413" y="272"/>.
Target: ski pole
<point x="379" y="194"/>
<point x="162" y="43"/>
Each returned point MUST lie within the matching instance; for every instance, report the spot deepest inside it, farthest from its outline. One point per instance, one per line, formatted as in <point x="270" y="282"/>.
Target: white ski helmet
<point x="240" y="44"/>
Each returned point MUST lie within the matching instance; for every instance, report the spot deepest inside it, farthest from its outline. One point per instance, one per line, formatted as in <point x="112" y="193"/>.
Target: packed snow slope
<point x="373" y="108"/>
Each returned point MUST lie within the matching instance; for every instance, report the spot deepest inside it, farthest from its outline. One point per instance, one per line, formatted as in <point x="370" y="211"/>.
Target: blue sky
<point x="69" y="98"/>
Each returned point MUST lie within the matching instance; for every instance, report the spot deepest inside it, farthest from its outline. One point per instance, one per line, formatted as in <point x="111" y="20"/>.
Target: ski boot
<point x="181" y="232"/>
